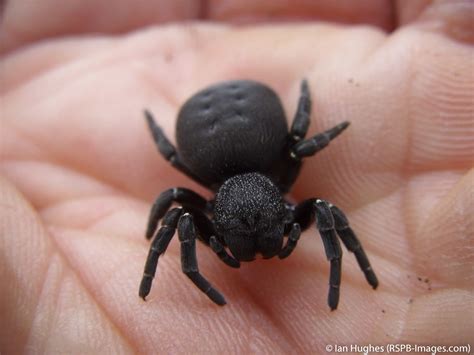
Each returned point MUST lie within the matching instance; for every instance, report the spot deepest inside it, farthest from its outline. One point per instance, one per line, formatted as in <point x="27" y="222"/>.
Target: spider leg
<point x="293" y="237"/>
<point x="162" y="204"/>
<point x="320" y="210"/>
<point x="207" y="234"/>
<point x="325" y="225"/>
<point x="287" y="171"/>
<point x="300" y="125"/>
<point x="352" y="244"/>
<point x="157" y="248"/>
<point x="311" y="146"/>
<point x="189" y="265"/>
<point x="167" y="150"/>
<point x="219" y="249"/>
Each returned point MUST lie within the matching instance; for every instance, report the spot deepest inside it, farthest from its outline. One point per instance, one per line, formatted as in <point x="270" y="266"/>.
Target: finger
<point x="452" y="18"/>
<point x="444" y="238"/>
<point x="43" y="304"/>
<point x="429" y="317"/>
<point x="376" y="13"/>
<point x="22" y="23"/>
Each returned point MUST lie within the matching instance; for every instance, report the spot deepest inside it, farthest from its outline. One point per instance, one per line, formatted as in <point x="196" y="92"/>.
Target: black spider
<point x="233" y="139"/>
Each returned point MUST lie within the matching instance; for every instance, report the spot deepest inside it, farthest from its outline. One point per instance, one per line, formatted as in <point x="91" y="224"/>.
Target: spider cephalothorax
<point x="249" y="214"/>
<point x="233" y="139"/>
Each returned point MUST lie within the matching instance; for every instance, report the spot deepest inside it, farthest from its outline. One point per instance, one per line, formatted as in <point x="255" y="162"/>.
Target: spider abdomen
<point x="231" y="128"/>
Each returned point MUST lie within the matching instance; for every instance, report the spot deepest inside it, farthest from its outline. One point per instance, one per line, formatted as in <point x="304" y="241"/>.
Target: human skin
<point x="80" y="172"/>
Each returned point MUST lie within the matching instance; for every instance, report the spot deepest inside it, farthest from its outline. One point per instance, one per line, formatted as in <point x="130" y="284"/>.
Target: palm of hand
<point x="82" y="171"/>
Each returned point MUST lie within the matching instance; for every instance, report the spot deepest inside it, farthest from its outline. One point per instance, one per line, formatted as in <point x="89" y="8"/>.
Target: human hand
<point x="80" y="172"/>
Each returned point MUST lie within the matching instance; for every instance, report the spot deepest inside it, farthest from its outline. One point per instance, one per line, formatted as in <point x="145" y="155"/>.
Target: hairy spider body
<point x="249" y="214"/>
<point x="233" y="139"/>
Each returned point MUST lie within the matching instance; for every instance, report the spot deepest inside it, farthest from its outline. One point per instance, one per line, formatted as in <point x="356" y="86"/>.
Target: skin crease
<point x="80" y="171"/>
